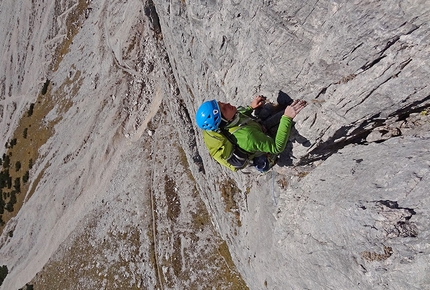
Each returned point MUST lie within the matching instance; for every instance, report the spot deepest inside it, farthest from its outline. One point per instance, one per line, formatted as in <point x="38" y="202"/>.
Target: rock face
<point x="360" y="65"/>
<point x="123" y="193"/>
<point x="359" y="219"/>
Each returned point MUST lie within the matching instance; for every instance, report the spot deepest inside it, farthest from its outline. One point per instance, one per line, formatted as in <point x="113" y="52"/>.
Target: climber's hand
<point x="292" y="110"/>
<point x="258" y="102"/>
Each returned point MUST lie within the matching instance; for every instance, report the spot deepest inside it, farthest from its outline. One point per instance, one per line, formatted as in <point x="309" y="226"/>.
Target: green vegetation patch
<point x="32" y="132"/>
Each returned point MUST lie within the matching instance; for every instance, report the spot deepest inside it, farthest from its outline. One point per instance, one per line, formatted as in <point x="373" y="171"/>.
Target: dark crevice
<point x="223" y="41"/>
<point x="45" y="87"/>
<point x="325" y="149"/>
<point x="322" y="92"/>
<point x="352" y="51"/>
<point x="401" y="67"/>
<point x="415" y="27"/>
<point x="390" y="43"/>
<point x="415" y="107"/>
<point x="152" y="14"/>
<point x="192" y="143"/>
<point x="372" y="63"/>
<point x="181" y="108"/>
<point x="396" y="38"/>
<point x="405" y="63"/>
<point x="358" y="136"/>
<point x="402" y="228"/>
<point x="313" y="121"/>
<point x="368" y="95"/>
<point x="395" y="205"/>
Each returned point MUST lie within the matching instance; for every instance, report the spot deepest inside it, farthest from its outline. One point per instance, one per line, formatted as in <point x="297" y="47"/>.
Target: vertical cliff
<point x="352" y="211"/>
<point x="116" y="189"/>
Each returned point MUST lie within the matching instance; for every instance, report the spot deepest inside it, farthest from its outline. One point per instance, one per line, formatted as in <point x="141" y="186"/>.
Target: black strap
<point x="230" y="137"/>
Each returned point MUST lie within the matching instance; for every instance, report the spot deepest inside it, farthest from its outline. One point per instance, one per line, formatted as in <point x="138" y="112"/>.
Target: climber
<point x="250" y="135"/>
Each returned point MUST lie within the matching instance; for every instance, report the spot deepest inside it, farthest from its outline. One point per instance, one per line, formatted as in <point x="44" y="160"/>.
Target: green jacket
<point x="250" y="136"/>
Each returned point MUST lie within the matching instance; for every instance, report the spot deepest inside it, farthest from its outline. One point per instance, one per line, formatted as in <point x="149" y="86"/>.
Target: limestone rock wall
<point x="122" y="192"/>
<point x="360" y="65"/>
<point x="351" y="213"/>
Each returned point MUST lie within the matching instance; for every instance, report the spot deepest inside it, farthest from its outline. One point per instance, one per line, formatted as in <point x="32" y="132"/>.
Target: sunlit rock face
<point x="351" y="213"/>
<point x="121" y="191"/>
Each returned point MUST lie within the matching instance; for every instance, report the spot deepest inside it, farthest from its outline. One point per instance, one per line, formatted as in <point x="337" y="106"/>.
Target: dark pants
<point x="270" y="116"/>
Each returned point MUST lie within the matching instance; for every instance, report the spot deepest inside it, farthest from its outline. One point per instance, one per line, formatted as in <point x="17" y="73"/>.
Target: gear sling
<point x="223" y="148"/>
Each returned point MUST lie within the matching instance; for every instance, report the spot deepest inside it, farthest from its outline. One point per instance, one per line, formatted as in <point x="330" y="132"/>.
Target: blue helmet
<point x="208" y="116"/>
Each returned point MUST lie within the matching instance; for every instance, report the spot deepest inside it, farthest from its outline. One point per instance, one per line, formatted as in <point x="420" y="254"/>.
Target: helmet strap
<point x="233" y="122"/>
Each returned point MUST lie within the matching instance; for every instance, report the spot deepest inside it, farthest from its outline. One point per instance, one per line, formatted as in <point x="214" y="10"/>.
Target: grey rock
<point x="125" y="174"/>
<point x="357" y="219"/>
